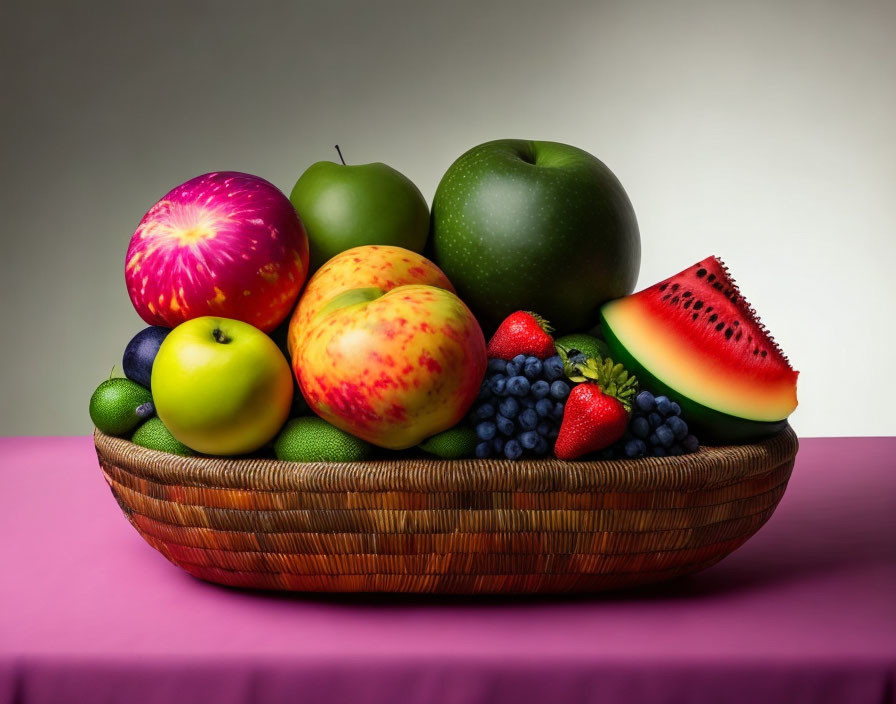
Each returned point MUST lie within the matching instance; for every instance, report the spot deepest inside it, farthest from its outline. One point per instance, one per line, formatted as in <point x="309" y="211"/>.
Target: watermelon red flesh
<point x="695" y="333"/>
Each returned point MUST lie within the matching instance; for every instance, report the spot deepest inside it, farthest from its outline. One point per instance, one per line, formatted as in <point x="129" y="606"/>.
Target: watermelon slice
<point x="695" y="338"/>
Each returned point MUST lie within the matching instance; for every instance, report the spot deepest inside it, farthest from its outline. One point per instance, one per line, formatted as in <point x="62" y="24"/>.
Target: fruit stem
<point x="219" y="336"/>
<point x="339" y="152"/>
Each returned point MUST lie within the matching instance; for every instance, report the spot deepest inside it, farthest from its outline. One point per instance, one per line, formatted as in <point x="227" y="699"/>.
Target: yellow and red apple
<point x="370" y="266"/>
<point x="392" y="367"/>
<point x="383" y="348"/>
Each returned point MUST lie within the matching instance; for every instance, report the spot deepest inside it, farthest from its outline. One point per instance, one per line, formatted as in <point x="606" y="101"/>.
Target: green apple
<point x="349" y="206"/>
<point x="221" y="386"/>
<point x="540" y="226"/>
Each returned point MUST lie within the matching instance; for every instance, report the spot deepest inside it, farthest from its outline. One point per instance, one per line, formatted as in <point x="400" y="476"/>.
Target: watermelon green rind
<point x="709" y="425"/>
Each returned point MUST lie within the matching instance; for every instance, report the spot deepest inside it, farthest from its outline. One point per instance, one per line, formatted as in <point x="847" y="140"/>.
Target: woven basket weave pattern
<point x="463" y="526"/>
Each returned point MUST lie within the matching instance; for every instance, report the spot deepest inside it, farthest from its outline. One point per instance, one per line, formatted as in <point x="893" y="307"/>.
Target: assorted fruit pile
<point x="381" y="349"/>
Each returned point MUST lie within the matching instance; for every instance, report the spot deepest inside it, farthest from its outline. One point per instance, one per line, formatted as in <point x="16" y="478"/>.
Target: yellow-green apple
<point x="221" y="386"/>
<point x="226" y="244"/>
<point x="392" y="367"/>
<point x="370" y="266"/>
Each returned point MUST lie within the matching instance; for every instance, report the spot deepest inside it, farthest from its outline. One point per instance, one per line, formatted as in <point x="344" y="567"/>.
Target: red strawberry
<point x="592" y="420"/>
<point x="522" y="333"/>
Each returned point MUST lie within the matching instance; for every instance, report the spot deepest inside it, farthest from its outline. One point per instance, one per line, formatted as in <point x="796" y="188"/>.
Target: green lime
<point x="120" y="405"/>
<point x="154" y="435"/>
<point x="315" y="440"/>
<point x="588" y="345"/>
<point x="454" y="443"/>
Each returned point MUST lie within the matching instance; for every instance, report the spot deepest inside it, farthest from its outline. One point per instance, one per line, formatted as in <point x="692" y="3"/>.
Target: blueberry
<point x="653" y="440"/>
<point x="557" y="413"/>
<point x="497" y="365"/>
<point x="520" y="359"/>
<point x="664" y="405"/>
<point x="543" y="428"/>
<point x="665" y="435"/>
<point x="659" y="451"/>
<point x="544" y="407"/>
<point x="528" y="419"/>
<point x="635" y="448"/>
<point x="485" y="391"/>
<point x="505" y="425"/>
<point x="483" y="411"/>
<point x="528" y="439"/>
<point x="678" y="427"/>
<point x="483" y="450"/>
<point x="512" y="369"/>
<point x="676" y="409"/>
<point x="540" y="389"/>
<point x="498" y="385"/>
<point x="518" y="385"/>
<point x="676" y="450"/>
<point x="555" y="431"/>
<point x="532" y="368"/>
<point x="513" y="450"/>
<point x="552" y="368"/>
<point x="559" y="390"/>
<point x="541" y="446"/>
<point x="644" y="401"/>
<point x="486" y="430"/>
<point x="498" y="444"/>
<point x="655" y="420"/>
<point x="640" y="427"/>
<point x="527" y="402"/>
<point x="509" y="407"/>
<point x="690" y="444"/>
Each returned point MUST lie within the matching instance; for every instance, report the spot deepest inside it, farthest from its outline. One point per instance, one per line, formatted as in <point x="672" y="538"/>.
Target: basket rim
<point x="711" y="466"/>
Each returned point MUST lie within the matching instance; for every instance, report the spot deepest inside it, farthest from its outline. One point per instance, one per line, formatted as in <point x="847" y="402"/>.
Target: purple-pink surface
<point x="804" y="612"/>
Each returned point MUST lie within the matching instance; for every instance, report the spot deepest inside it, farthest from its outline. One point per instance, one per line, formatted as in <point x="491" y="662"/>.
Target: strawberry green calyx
<point x="613" y="379"/>
<point x="542" y="322"/>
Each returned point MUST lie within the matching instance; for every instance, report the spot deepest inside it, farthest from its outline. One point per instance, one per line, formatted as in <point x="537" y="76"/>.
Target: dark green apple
<point x="349" y="206"/>
<point x="540" y="226"/>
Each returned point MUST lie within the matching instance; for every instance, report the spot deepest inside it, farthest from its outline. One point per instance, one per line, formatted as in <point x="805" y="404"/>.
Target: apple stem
<point x="339" y="152"/>
<point x="219" y="336"/>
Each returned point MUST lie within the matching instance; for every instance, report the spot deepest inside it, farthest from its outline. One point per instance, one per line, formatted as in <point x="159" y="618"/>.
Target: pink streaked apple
<point x="225" y="244"/>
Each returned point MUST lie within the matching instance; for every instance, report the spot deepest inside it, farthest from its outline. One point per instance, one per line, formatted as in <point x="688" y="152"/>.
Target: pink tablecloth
<point x="804" y="612"/>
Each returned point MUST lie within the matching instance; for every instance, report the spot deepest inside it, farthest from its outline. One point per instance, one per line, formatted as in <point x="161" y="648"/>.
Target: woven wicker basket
<point x="464" y="526"/>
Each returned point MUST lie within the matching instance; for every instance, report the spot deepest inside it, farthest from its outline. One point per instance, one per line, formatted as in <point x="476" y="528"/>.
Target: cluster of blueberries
<point x="655" y="429"/>
<point x="520" y="407"/>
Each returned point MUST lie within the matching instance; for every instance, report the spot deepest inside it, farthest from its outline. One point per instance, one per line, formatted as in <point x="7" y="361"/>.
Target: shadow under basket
<point x="448" y="527"/>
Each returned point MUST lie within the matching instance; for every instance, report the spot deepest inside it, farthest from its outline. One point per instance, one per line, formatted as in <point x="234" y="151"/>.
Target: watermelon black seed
<point x="663" y="287"/>
<point x="720" y="326"/>
<point x="728" y="333"/>
<point x="736" y="323"/>
<point x="756" y="351"/>
<point x="693" y="316"/>
<point x="698" y="305"/>
<point x="686" y="294"/>
<point x="764" y="353"/>
<point x="674" y="300"/>
<point x="687" y="304"/>
<point x="717" y="286"/>
<point x="711" y="277"/>
<point x="666" y="297"/>
<point x="709" y="309"/>
<point x="701" y="272"/>
<point x="738" y="336"/>
<point x="713" y="318"/>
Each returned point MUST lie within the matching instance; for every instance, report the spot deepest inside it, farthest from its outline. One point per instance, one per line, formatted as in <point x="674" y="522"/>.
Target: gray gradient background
<point x="761" y="131"/>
